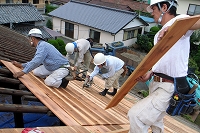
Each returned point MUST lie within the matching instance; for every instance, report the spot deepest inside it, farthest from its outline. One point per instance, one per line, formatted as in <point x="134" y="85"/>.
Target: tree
<point x="49" y="24"/>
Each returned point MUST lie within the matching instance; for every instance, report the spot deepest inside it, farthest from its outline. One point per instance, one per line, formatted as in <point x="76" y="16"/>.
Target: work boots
<point x="64" y="83"/>
<point x="112" y="93"/>
<point x="103" y="93"/>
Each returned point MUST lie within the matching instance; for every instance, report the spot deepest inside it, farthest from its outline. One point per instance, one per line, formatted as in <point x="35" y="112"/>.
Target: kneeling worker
<point x="47" y="63"/>
<point x="110" y="68"/>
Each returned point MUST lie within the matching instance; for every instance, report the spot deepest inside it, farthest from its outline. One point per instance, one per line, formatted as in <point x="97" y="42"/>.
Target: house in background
<point x="190" y="7"/>
<point x="23" y="17"/>
<point x="39" y="4"/>
<point x="82" y="20"/>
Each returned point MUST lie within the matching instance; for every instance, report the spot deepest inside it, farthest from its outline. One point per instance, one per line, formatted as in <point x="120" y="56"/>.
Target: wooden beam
<point x="9" y="80"/>
<point x="5" y="71"/>
<point x="30" y="98"/>
<point x="23" y="108"/>
<point x="14" y="92"/>
<point x="23" y="87"/>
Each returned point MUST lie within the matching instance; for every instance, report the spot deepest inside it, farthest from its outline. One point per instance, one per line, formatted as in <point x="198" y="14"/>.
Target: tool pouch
<point x="181" y="102"/>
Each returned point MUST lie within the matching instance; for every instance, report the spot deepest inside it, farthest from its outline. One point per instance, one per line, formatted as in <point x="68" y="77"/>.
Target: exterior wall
<point x="184" y="4"/>
<point x="81" y="31"/>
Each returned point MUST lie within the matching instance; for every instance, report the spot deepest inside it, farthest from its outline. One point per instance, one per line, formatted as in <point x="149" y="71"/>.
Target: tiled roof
<point x="15" y="46"/>
<point x="128" y="5"/>
<point x="95" y="16"/>
<point x="17" y="13"/>
<point x="25" y="29"/>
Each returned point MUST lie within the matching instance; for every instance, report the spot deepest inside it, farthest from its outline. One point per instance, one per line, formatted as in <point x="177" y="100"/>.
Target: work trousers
<point x="86" y="60"/>
<point x="53" y="78"/>
<point x="149" y="112"/>
<point x="114" y="80"/>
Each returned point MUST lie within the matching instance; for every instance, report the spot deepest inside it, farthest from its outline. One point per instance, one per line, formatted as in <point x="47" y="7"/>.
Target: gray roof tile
<point x="16" y="13"/>
<point x="99" y="17"/>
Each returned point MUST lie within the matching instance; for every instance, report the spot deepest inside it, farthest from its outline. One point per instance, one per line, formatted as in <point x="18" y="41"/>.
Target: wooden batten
<point x="30" y="98"/>
<point x="23" y="108"/>
<point x="9" y="80"/>
<point x="14" y="92"/>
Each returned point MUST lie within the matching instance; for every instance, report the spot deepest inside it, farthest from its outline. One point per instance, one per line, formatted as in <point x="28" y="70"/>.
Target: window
<point x="35" y="1"/>
<point x="25" y="1"/>
<point x="95" y="35"/>
<point x="131" y="33"/>
<point x="193" y="9"/>
<point x="69" y="30"/>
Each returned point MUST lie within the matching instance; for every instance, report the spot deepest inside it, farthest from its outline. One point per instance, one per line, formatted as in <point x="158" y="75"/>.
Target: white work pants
<point x="53" y="78"/>
<point x="149" y="112"/>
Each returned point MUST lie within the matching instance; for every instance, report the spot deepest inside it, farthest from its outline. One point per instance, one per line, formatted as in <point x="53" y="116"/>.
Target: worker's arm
<point x="145" y="77"/>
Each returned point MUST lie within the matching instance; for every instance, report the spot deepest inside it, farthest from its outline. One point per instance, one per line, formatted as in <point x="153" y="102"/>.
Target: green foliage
<point x="49" y="24"/>
<point x="54" y="43"/>
<point x="154" y="29"/>
<point x="143" y="43"/>
<point x="49" y="8"/>
<point x="195" y="52"/>
<point x="59" y="45"/>
<point x="193" y="65"/>
<point x="187" y="117"/>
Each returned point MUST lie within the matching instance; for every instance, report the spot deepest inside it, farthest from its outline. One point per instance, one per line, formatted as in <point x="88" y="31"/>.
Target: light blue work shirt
<point x="47" y="55"/>
<point x="113" y="64"/>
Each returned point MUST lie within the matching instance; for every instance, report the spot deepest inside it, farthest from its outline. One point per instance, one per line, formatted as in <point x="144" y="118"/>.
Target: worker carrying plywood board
<point x="47" y="62"/>
<point x="169" y="72"/>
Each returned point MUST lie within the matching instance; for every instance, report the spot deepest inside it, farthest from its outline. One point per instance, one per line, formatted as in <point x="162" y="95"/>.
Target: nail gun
<point x="70" y="77"/>
<point x="87" y="83"/>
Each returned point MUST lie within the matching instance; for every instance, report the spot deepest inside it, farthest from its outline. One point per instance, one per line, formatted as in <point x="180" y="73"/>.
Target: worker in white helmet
<point x="47" y="63"/>
<point x="81" y="48"/>
<point x="110" y="68"/>
<point x="149" y="112"/>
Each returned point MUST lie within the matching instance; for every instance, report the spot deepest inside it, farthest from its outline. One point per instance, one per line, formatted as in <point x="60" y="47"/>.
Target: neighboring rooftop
<point x="15" y="46"/>
<point x="94" y="16"/>
<point x="17" y="13"/>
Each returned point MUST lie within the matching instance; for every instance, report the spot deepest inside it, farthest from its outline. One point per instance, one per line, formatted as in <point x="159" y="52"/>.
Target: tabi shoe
<point x="64" y="83"/>
<point x="103" y="93"/>
<point x="112" y="93"/>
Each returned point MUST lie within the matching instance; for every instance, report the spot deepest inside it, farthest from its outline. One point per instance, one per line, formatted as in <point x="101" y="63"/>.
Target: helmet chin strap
<point x="161" y="15"/>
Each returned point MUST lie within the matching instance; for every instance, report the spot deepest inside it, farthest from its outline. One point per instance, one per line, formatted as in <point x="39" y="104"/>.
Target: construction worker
<point x="47" y="63"/>
<point x="110" y="68"/>
<point x="82" y="54"/>
<point x="149" y="112"/>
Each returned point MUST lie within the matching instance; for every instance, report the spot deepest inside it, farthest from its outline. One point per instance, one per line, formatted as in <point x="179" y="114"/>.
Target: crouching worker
<point x="110" y="68"/>
<point x="82" y="54"/>
<point x="47" y="62"/>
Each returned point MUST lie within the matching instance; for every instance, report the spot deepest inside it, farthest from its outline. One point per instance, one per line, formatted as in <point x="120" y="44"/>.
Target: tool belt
<point x="125" y="70"/>
<point x="181" y="102"/>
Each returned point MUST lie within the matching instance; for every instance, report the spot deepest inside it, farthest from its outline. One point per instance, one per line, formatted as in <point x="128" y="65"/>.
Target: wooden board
<point x="175" y="32"/>
<point x="84" y="108"/>
<point x="74" y="105"/>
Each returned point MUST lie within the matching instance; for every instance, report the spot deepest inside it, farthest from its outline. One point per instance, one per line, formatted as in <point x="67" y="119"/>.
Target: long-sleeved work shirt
<point x="47" y="55"/>
<point x="83" y="45"/>
<point x="112" y="65"/>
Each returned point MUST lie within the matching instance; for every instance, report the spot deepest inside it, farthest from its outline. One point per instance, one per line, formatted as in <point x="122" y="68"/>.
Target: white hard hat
<point x="99" y="59"/>
<point x="149" y="9"/>
<point x="35" y="32"/>
<point x="69" y="48"/>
